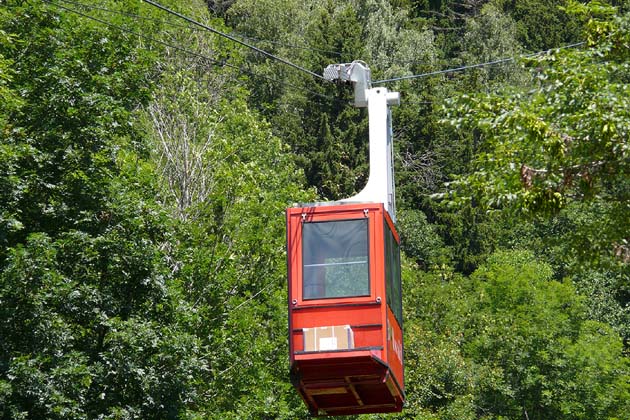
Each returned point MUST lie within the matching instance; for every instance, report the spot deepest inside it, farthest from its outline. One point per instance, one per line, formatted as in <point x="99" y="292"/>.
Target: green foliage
<point x="58" y="152"/>
<point x="10" y="99"/>
<point x="420" y="240"/>
<point x="87" y="322"/>
<point x="560" y="142"/>
<point x="535" y="330"/>
<point x="542" y="24"/>
<point x="491" y="36"/>
<point x="607" y="293"/>
<point x="558" y="152"/>
<point x="509" y="341"/>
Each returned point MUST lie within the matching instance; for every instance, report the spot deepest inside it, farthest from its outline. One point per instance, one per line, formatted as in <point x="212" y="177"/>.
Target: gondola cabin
<point x="345" y="308"/>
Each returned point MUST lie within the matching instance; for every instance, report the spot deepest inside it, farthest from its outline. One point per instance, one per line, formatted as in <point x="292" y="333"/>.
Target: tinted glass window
<point x="392" y="273"/>
<point x="335" y="258"/>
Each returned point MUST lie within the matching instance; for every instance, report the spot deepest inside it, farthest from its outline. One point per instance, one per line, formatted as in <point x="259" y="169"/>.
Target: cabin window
<point x="392" y="273"/>
<point x="335" y="258"/>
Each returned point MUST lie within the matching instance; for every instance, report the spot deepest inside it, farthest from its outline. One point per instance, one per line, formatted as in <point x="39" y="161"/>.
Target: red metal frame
<point x="367" y="378"/>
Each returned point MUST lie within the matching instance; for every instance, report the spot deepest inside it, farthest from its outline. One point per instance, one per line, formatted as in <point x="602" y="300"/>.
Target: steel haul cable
<point x="136" y="16"/>
<point x="472" y="66"/>
<point x="221" y="63"/>
<point x="236" y="40"/>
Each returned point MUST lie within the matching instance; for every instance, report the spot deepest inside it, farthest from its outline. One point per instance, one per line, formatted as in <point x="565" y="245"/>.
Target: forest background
<point x="145" y="165"/>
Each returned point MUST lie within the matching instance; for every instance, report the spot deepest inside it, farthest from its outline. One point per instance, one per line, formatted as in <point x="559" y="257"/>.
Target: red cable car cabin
<point x="345" y="308"/>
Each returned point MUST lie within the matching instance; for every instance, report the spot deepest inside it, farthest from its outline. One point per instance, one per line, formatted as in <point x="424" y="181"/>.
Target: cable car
<point x="345" y="297"/>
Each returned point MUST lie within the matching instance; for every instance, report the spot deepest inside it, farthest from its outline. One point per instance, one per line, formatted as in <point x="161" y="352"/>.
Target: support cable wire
<point x="236" y="40"/>
<point x="135" y="16"/>
<point x="221" y="63"/>
<point x="472" y="66"/>
<point x="205" y="27"/>
<point x="145" y="37"/>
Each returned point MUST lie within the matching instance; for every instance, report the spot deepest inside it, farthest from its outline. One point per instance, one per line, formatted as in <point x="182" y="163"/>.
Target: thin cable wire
<point x="472" y="66"/>
<point x="135" y="16"/>
<point x="192" y="53"/>
<point x="563" y="47"/>
<point x="118" y="12"/>
<point x="236" y="40"/>
<point x="148" y="38"/>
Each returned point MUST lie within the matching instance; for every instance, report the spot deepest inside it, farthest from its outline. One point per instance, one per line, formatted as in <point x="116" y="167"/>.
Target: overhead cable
<point x="233" y="39"/>
<point x="146" y="37"/>
<point x="136" y="16"/>
<point x="221" y="63"/>
<point x="472" y="66"/>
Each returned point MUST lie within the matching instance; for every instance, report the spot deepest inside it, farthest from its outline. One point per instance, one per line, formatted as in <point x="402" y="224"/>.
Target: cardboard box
<point x="338" y="337"/>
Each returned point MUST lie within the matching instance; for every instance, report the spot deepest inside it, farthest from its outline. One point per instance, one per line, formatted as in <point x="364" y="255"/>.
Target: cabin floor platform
<point x="343" y="385"/>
